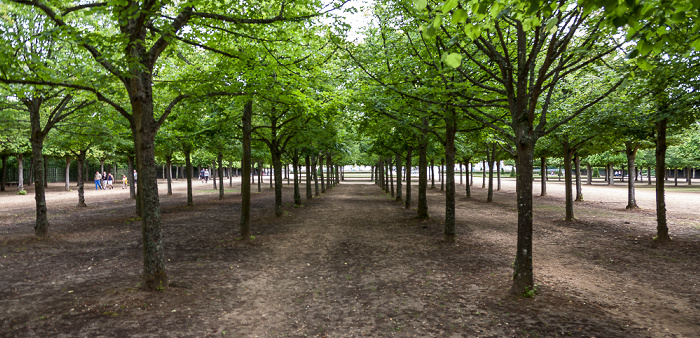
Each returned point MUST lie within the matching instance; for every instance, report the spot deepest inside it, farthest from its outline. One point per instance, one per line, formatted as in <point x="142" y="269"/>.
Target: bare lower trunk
<point x="41" y="224"/>
<point x="498" y="175"/>
<point x="307" y="163"/>
<point x="68" y="161"/>
<point x="188" y="174"/>
<point x="245" y="175"/>
<point x="169" y="174"/>
<point x="661" y="226"/>
<point x="469" y="181"/>
<point x="579" y="189"/>
<point x="81" y="179"/>
<point x="391" y="179"/>
<point x="423" y="175"/>
<point x="230" y="174"/>
<point x="522" y="274"/>
<point x="490" y="154"/>
<point x="320" y="173"/>
<point x="20" y="172"/>
<point x="315" y="173"/>
<point x="568" y="181"/>
<point x="589" y="174"/>
<point x="409" y="154"/>
<point x="398" y="178"/>
<point x="631" y="152"/>
<point x="450" y="232"/>
<point x="543" y="173"/>
<point x="130" y="176"/>
<point x="295" y="164"/>
<point x="220" y="162"/>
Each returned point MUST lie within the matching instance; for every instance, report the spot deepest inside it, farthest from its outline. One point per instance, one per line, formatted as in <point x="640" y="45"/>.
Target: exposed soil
<point x="351" y="263"/>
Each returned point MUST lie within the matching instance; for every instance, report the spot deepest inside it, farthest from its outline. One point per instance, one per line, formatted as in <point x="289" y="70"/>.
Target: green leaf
<point x="633" y="54"/>
<point x="472" y="31"/>
<point x="421" y="4"/>
<point x="644" y="64"/>
<point x="459" y="16"/>
<point x="429" y="32"/>
<point x="449" y="5"/>
<point x="696" y="44"/>
<point x="453" y="60"/>
<point x="438" y="21"/>
<point x="644" y="47"/>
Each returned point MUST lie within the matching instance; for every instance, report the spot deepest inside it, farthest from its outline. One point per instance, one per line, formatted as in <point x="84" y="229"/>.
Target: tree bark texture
<point x="245" y="175"/>
<point x="450" y="131"/>
<point x="661" y="226"/>
<point x="631" y="152"/>
<point x="579" y="189"/>
<point x="423" y="175"/>
<point x="307" y="163"/>
<point x="398" y="178"/>
<point x="543" y="173"/>
<point x="568" y="182"/>
<point x="188" y="173"/>
<point x="409" y="154"/>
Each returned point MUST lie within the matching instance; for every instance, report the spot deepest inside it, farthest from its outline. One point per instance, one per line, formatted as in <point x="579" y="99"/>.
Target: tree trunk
<point x="295" y="164"/>
<point x="461" y="165"/>
<point x="498" y="175"/>
<point x="522" y="276"/>
<point x="675" y="176"/>
<point x="188" y="174"/>
<point x="398" y="178"/>
<point x="423" y="174"/>
<point x="315" y="173"/>
<point x="441" y="172"/>
<point x="328" y="171"/>
<point x="589" y="172"/>
<point x="391" y="178"/>
<point x="130" y="177"/>
<point x="469" y="186"/>
<point x="568" y="182"/>
<point x="631" y="152"/>
<point x="81" y="178"/>
<point x="483" y="174"/>
<point x="68" y="161"/>
<point x="579" y="189"/>
<point x="471" y="173"/>
<point x="307" y="164"/>
<point x="220" y="160"/>
<point x="490" y="158"/>
<point x="450" y="131"/>
<point x="432" y="173"/>
<point x="409" y="155"/>
<point x="41" y="225"/>
<point x="20" y="172"/>
<point x="260" y="169"/>
<point x="213" y="176"/>
<point x="169" y="173"/>
<point x="320" y="172"/>
<point x="661" y="226"/>
<point x="543" y="173"/>
<point x="245" y="175"/>
<point x="689" y="176"/>
<point x="230" y="174"/>
<point x="277" y="172"/>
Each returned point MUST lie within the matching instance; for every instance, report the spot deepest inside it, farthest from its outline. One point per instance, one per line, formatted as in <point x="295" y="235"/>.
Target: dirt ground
<point x="351" y="263"/>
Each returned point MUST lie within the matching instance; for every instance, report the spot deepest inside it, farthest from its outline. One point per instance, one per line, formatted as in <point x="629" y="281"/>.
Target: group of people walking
<point x="105" y="180"/>
<point x="204" y="175"/>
